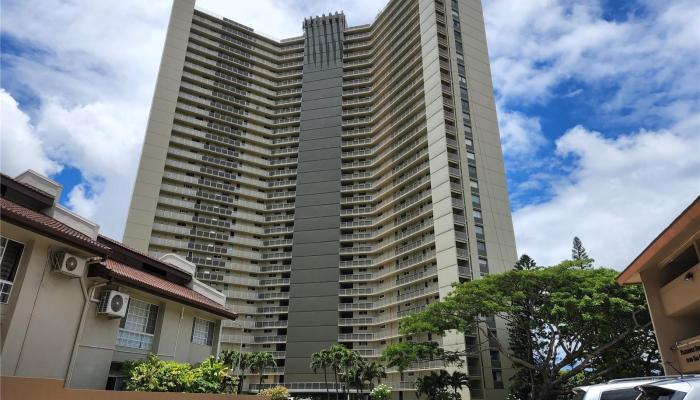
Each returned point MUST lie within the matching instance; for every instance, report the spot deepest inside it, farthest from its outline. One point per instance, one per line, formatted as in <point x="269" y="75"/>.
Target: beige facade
<point x="422" y="202"/>
<point x="51" y="327"/>
<point x="669" y="270"/>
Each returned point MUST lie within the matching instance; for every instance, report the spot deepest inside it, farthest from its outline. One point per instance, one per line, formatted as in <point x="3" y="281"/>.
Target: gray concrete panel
<point x="315" y="259"/>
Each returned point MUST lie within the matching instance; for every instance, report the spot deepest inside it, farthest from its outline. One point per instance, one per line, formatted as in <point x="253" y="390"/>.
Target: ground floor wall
<point x="18" y="388"/>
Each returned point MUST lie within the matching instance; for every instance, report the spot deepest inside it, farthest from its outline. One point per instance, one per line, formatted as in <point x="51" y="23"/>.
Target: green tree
<point x="579" y="316"/>
<point x="239" y="363"/>
<point x="258" y="362"/>
<point x="435" y="386"/>
<point x="519" y="336"/>
<point x="352" y="365"/>
<point x="402" y="355"/>
<point x="372" y="371"/>
<point x="457" y="381"/>
<point x="578" y="253"/>
<point x="322" y="360"/>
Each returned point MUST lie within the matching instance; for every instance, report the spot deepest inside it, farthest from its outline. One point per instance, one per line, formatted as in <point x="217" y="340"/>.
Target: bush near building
<point x="275" y="393"/>
<point x="156" y="375"/>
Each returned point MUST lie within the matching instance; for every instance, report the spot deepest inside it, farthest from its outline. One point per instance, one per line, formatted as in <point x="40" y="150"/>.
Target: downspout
<point x="179" y="326"/>
<point x="88" y="294"/>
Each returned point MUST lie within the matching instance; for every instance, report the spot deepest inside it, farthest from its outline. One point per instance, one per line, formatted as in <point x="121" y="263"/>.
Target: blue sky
<point x="598" y="101"/>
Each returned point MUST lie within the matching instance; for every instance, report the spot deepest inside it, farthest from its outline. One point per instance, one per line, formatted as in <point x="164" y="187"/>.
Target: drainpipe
<point x="179" y="326"/>
<point x="88" y="294"/>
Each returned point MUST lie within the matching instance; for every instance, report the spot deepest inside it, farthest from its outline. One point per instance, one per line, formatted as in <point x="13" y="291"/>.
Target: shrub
<point x="156" y="375"/>
<point x="276" y="393"/>
<point x="381" y="392"/>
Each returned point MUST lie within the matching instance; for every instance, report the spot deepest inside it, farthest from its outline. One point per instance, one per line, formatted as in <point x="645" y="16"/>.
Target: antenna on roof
<point x="675" y="369"/>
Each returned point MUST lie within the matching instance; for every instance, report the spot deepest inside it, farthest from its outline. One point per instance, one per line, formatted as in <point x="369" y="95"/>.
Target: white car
<point x="686" y="388"/>
<point x="617" y="389"/>
<point x="650" y="388"/>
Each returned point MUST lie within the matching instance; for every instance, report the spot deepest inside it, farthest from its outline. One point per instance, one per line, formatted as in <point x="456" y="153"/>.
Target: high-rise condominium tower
<point x="332" y="183"/>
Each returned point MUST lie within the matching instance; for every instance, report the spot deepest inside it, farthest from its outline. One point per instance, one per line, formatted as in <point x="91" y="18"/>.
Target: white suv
<point x="650" y="388"/>
<point x="618" y="389"/>
<point x="686" y="388"/>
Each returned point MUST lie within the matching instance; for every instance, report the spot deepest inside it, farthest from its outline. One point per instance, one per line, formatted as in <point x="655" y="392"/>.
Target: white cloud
<point x="520" y="135"/>
<point x="92" y="65"/>
<point x="623" y="192"/>
<point x="283" y="19"/>
<point x="21" y="148"/>
<point x="536" y="45"/>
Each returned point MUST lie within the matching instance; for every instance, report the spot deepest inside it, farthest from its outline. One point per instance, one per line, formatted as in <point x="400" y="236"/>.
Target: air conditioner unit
<point x="113" y="304"/>
<point x="67" y="264"/>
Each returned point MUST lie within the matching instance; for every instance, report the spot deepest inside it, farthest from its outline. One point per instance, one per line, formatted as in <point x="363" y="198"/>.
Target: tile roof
<point x="37" y="221"/>
<point x="119" y="247"/>
<point x="132" y="276"/>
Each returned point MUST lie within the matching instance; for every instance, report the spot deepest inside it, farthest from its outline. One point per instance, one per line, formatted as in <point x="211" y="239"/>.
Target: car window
<point x="579" y="394"/>
<point x="651" y="393"/>
<point x="620" y="394"/>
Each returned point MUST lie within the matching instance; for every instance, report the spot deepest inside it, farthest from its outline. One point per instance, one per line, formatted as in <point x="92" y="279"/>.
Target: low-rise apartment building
<point x="669" y="269"/>
<point x="75" y="304"/>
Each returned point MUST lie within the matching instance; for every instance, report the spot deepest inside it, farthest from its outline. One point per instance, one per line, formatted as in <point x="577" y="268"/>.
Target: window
<point x="474" y="184"/>
<point x="10" y="255"/>
<point x="497" y="379"/>
<point x="479" y="229"/>
<point x="202" y="332"/>
<point x="476" y="201"/>
<point x="477" y="214"/>
<point x="137" y="328"/>
<point x="483" y="266"/>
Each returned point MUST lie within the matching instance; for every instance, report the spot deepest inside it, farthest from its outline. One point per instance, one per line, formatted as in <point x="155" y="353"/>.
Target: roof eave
<point x="53" y="234"/>
<point x="99" y="270"/>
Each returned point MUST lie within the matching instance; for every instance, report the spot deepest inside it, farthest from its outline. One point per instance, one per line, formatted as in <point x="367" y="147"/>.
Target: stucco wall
<point x="42" y="318"/>
<point x="14" y="388"/>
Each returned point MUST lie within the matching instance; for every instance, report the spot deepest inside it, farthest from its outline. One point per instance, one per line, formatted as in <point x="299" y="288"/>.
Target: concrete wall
<point x="160" y="122"/>
<point x="41" y="317"/>
<point x="14" y="388"/>
<point x="41" y="320"/>
<point x="443" y="217"/>
<point x="313" y="303"/>
<point x="495" y="206"/>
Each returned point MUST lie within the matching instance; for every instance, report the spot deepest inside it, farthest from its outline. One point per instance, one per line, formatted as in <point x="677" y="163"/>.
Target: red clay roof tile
<point x="48" y="225"/>
<point x="130" y="275"/>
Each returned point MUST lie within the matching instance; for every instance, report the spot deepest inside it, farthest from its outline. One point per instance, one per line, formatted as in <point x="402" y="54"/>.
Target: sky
<point x="598" y="104"/>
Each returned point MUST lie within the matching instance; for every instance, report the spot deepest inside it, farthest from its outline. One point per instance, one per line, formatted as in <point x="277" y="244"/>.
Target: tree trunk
<point x="337" y="392"/>
<point x="260" y="381"/>
<point x="325" y="379"/>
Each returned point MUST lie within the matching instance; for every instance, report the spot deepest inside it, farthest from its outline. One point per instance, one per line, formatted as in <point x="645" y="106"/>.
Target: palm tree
<point x="352" y="366"/>
<point x="434" y="385"/>
<point x="457" y="381"/>
<point x="354" y="376"/>
<point x="238" y="362"/>
<point x="374" y="370"/>
<point x="258" y="362"/>
<point x="322" y="360"/>
<point x="335" y="355"/>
